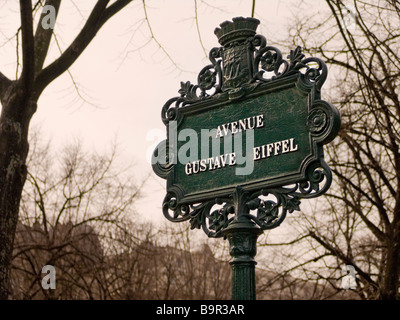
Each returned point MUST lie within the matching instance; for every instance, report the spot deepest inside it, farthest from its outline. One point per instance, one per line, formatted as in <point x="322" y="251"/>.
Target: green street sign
<point x="254" y="120"/>
<point x="268" y="138"/>
<point x="245" y="144"/>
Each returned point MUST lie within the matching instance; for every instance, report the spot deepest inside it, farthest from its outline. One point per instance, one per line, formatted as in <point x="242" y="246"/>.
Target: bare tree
<point x="74" y="214"/>
<point x="359" y="225"/>
<point x="181" y="267"/>
<point x="19" y="100"/>
<point x="77" y="215"/>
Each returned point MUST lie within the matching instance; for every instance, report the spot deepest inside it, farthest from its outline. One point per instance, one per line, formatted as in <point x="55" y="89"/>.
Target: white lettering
<point x="229" y="159"/>
<point x="173" y="310"/>
<point x="221" y="161"/>
<point x="260" y="121"/>
<point x="234" y="128"/>
<point x="232" y="159"/>
<point x="285" y="146"/>
<point x="270" y="146"/>
<point x="292" y="147"/>
<point x="219" y="133"/>
<point x="240" y="125"/>
<point x="275" y="148"/>
<point x="188" y="169"/>
<point x="203" y="165"/>
<point x="277" y="145"/>
<point x="256" y="153"/>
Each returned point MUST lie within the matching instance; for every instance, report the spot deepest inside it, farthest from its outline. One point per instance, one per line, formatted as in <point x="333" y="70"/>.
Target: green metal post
<point x="242" y="235"/>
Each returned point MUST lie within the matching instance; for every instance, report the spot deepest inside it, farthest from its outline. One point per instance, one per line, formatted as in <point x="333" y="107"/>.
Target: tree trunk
<point x="17" y="110"/>
<point x="19" y="102"/>
<point x="392" y="269"/>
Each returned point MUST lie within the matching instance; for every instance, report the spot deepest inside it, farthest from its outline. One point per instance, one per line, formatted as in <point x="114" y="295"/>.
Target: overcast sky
<point x="128" y="78"/>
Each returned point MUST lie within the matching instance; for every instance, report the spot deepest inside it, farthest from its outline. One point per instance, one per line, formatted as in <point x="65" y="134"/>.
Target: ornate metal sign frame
<point x="245" y="67"/>
<point x="252" y="59"/>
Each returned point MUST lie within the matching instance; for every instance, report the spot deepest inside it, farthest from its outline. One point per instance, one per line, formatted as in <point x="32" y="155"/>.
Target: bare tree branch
<point x="43" y="37"/>
<point x="98" y="17"/>
<point x="28" y="47"/>
<point x="4" y="83"/>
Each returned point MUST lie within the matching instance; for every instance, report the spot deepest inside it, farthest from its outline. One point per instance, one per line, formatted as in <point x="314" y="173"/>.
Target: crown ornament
<point x="237" y="30"/>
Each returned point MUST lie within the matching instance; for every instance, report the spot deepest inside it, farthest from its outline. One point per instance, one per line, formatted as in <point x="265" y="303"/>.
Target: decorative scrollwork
<point x="237" y="68"/>
<point x="209" y="84"/>
<point x="215" y="222"/>
<point x="210" y="77"/>
<point x="202" y="215"/>
<point x="314" y="75"/>
<point x="162" y="160"/>
<point x="317" y="121"/>
<point x="270" y="213"/>
<point x="174" y="211"/>
<point x="269" y="59"/>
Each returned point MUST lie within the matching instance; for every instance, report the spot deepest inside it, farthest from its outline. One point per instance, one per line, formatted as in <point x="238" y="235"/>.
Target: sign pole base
<point x="242" y="239"/>
<point x="242" y="235"/>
